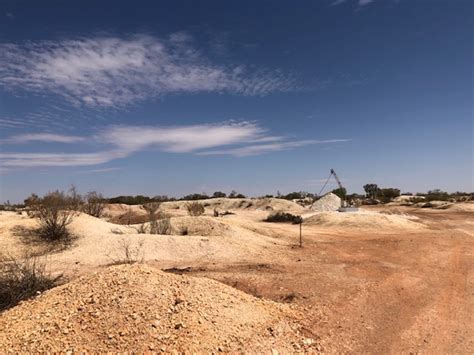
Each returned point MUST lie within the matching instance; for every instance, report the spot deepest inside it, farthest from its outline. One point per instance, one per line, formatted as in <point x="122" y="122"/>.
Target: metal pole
<point x="301" y="236"/>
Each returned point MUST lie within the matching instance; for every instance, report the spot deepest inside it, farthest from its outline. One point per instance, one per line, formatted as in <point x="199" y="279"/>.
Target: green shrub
<point x="283" y="217"/>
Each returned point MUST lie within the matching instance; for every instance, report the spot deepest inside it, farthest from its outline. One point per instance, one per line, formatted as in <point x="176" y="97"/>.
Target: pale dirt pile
<point x="138" y="308"/>
<point x="123" y="214"/>
<point x="364" y="220"/>
<point x="224" y="204"/>
<point x="462" y="207"/>
<point x="10" y="226"/>
<point x="100" y="243"/>
<point x="117" y="209"/>
<point x="407" y="198"/>
<point x="329" y="202"/>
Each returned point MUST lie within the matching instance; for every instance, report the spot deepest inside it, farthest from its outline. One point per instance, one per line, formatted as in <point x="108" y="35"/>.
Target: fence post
<point x="301" y="235"/>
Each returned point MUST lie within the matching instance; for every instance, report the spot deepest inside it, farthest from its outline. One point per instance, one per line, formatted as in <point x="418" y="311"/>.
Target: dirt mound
<point x="117" y="209"/>
<point x="265" y="204"/>
<point x="329" y="202"/>
<point x="137" y="309"/>
<point x="462" y="207"/>
<point x="120" y="213"/>
<point x="364" y="220"/>
<point x="203" y="226"/>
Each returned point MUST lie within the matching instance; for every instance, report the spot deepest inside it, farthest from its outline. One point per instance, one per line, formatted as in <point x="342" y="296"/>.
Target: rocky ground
<point x="136" y="308"/>
<point x="388" y="280"/>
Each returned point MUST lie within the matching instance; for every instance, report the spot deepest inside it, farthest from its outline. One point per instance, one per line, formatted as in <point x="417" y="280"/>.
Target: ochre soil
<point x="372" y="291"/>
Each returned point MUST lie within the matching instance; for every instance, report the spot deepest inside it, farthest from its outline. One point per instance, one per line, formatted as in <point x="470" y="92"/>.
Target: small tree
<point x="371" y="190"/>
<point x="218" y="194"/>
<point x="388" y="194"/>
<point x="54" y="212"/>
<point x="94" y="204"/>
<point x="340" y="192"/>
<point x="195" y="209"/>
<point x="235" y="194"/>
<point x="436" y="195"/>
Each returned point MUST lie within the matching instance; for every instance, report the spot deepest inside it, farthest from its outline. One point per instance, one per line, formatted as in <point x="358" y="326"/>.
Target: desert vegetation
<point x="284" y="217"/>
<point x="54" y="212"/>
<point x="195" y="209"/>
<point x="22" y="278"/>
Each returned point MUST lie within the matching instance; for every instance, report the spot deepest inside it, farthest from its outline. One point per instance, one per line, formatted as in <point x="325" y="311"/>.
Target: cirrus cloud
<point x="237" y="139"/>
<point x="116" y="72"/>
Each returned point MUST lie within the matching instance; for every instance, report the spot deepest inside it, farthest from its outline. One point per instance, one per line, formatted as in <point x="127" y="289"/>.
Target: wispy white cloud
<point x="58" y="159"/>
<point x="259" y="149"/>
<point x="229" y="138"/>
<point x="43" y="137"/>
<point x="359" y="2"/>
<point x="115" y="72"/>
<point x="97" y="171"/>
<point x="182" y="139"/>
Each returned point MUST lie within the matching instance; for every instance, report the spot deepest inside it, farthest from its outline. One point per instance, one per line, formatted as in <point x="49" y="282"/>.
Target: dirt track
<point x="372" y="292"/>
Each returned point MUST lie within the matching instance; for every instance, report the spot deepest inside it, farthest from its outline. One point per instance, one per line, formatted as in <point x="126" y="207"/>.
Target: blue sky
<point x="174" y="97"/>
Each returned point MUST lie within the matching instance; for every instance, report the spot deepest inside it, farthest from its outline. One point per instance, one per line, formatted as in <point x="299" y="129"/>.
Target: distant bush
<point x="235" y="194"/>
<point x="130" y="200"/>
<point x="388" y="194"/>
<point x="283" y="217"/>
<point x="218" y="194"/>
<point x="93" y="204"/>
<point x="22" y="279"/>
<point x="195" y="197"/>
<point x="296" y="195"/>
<point x="161" y="226"/>
<point x="437" y="195"/>
<point x="195" y="208"/>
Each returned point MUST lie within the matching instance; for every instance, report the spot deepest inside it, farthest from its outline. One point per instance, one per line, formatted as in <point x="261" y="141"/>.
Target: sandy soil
<point x="403" y="282"/>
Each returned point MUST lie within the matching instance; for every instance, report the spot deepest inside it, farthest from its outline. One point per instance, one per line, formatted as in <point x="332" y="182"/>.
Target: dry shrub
<point x="93" y="204"/>
<point x="159" y="222"/>
<point x="160" y="226"/>
<point x="22" y="279"/>
<point x="128" y="253"/>
<point x="152" y="208"/>
<point x="195" y="208"/>
<point x="282" y="217"/>
<point x="54" y="212"/>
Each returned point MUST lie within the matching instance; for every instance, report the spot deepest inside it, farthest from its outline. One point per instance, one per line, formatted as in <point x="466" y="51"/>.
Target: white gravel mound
<point x="329" y="202"/>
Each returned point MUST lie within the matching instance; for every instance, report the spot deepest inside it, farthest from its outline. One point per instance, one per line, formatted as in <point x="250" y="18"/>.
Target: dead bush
<point x="142" y="229"/>
<point x="161" y="226"/>
<point x="93" y="204"/>
<point x="128" y="253"/>
<point x="152" y="208"/>
<point x="22" y="279"/>
<point x="195" y="208"/>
